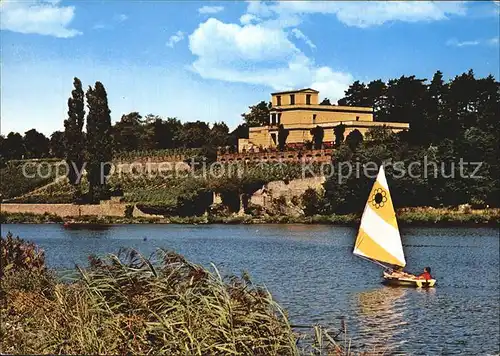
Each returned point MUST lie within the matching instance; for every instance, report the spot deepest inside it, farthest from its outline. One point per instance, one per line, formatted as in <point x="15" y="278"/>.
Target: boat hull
<point x="412" y="283"/>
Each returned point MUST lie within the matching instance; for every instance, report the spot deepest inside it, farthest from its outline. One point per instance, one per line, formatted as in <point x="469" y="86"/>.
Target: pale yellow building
<point x="299" y="112"/>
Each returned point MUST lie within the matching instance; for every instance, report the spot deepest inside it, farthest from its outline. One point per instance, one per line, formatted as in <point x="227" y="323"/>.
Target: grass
<point x="129" y="304"/>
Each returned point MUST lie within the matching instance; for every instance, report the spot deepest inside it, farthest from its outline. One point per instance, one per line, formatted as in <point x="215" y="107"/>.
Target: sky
<point x="211" y="60"/>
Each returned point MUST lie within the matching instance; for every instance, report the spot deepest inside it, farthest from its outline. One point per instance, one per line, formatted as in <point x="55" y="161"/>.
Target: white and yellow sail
<point x="378" y="237"/>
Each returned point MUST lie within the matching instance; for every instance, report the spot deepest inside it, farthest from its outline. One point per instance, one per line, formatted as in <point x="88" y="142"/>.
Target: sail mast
<point x="378" y="237"/>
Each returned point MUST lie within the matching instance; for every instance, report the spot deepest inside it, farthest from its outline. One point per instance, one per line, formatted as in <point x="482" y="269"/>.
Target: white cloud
<point x="100" y="26"/>
<point x="300" y="35"/>
<point x="248" y="19"/>
<point x="120" y="18"/>
<point x="261" y="51"/>
<point x="210" y="9"/>
<point x="177" y="37"/>
<point x="226" y="42"/>
<point x="256" y="54"/>
<point x="493" y="41"/>
<point x="362" y="14"/>
<point x="38" y="17"/>
<point x="478" y="42"/>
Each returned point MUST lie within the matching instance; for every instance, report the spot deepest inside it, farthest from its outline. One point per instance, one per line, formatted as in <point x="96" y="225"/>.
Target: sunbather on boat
<point x="399" y="273"/>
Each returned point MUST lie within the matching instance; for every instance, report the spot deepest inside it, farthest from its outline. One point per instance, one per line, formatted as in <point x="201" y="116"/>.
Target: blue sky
<point x="211" y="60"/>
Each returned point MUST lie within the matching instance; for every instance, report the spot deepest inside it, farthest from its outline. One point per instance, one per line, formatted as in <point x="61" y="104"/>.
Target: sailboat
<point x="379" y="240"/>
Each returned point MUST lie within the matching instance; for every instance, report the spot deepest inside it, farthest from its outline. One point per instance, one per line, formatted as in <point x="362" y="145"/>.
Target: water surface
<point x="311" y="271"/>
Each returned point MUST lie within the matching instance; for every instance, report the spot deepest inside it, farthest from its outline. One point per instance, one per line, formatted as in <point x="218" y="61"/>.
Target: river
<point x="311" y="271"/>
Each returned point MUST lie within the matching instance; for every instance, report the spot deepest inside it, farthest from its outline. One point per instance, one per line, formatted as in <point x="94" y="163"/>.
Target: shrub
<point x="18" y="254"/>
<point x="311" y="202"/>
<point x="23" y="267"/>
<point x="129" y="211"/>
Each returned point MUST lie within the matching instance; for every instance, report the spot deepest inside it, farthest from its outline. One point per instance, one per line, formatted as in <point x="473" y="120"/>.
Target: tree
<point x="242" y="131"/>
<point x="311" y="202"/>
<point x="379" y="135"/>
<point x="37" y="145"/>
<point x="434" y="114"/>
<point x="13" y="146"/>
<point x="165" y="132"/>
<point x="338" y="131"/>
<point x="258" y="115"/>
<point x="194" y="134"/>
<point x="318" y="134"/>
<point x="354" y="139"/>
<point x="325" y="101"/>
<point x="377" y="99"/>
<point x="2" y="151"/>
<point x="74" y="141"/>
<point x="129" y="132"/>
<point x="282" y="136"/>
<point x="219" y="135"/>
<point x="405" y="102"/>
<point x="355" y="95"/>
<point x="57" y="144"/>
<point x="99" y="141"/>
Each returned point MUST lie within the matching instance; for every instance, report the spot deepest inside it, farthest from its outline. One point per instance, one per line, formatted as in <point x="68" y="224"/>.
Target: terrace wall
<point x="286" y="156"/>
<point x="106" y="208"/>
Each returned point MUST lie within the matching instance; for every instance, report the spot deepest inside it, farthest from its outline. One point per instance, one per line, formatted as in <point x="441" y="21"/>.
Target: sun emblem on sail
<point x="379" y="198"/>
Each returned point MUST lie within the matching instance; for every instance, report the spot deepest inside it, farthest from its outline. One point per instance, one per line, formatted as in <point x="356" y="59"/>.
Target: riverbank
<point x="406" y="217"/>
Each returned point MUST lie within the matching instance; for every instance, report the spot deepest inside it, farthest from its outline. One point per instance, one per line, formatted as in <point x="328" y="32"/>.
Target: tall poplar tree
<point x="99" y="141"/>
<point x="74" y="142"/>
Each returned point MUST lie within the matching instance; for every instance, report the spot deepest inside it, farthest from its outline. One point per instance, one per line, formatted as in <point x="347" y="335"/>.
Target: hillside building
<point x="299" y="111"/>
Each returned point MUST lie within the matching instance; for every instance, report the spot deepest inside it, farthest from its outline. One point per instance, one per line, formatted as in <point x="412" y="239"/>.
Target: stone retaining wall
<point x="293" y="188"/>
<point x="107" y="208"/>
<point x="286" y="156"/>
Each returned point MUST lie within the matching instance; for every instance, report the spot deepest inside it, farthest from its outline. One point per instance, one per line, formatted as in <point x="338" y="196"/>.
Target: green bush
<point x="18" y="254"/>
<point x="23" y="267"/>
<point x="311" y="202"/>
<point x="129" y="210"/>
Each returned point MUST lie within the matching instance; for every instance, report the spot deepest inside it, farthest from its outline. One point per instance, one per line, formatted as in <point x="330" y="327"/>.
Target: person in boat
<point x="426" y="275"/>
<point x="398" y="272"/>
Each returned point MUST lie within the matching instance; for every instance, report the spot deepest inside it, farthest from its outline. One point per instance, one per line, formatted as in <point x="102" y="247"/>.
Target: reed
<point x="129" y="304"/>
<point x="164" y="305"/>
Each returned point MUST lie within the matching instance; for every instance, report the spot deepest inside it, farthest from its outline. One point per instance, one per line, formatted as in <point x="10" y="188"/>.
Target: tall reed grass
<point x="164" y="304"/>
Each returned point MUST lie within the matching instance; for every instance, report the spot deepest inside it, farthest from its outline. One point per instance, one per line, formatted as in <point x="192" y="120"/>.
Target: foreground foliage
<point x="128" y="304"/>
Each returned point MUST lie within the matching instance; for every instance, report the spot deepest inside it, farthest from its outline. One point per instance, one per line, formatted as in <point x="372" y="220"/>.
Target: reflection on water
<point x="311" y="271"/>
<point x="381" y="317"/>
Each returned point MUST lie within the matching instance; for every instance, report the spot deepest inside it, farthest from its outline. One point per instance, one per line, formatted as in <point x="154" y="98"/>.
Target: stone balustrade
<point x="285" y="156"/>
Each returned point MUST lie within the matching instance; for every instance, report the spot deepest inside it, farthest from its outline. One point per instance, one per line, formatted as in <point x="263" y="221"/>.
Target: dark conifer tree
<point x="99" y="141"/>
<point x="74" y="142"/>
<point x="318" y="134"/>
<point x="282" y="136"/>
<point x="338" y="131"/>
